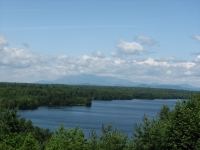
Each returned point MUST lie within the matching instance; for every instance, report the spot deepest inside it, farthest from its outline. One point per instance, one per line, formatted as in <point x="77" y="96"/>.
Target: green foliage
<point x="18" y="133"/>
<point x="11" y="141"/>
<point x="175" y="129"/>
<point x="72" y="139"/>
<point x="110" y="139"/>
<point x="163" y="114"/>
<point x="148" y="135"/>
<point x="30" y="143"/>
<point x="184" y="122"/>
<point x="31" y="96"/>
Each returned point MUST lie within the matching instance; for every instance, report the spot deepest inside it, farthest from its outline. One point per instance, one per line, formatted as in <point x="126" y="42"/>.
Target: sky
<point x="148" y="41"/>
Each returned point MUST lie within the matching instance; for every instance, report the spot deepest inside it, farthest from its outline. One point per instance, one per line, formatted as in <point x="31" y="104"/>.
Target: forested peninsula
<point x="31" y="96"/>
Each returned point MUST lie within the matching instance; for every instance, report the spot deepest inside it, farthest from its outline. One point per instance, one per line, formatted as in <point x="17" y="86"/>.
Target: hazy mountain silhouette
<point x="89" y="79"/>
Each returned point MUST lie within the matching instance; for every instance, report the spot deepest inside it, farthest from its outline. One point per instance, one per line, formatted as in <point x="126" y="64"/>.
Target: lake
<point x="123" y="114"/>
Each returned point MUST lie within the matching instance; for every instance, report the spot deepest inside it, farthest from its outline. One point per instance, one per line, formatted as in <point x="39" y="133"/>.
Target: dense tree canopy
<point x="19" y="133"/>
<point x="172" y="129"/>
<point x="31" y="96"/>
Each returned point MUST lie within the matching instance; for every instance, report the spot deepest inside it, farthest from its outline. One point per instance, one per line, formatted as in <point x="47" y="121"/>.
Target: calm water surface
<point x="123" y="113"/>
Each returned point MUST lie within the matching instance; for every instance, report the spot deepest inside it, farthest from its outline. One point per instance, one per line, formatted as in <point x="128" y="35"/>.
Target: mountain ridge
<point x="89" y="79"/>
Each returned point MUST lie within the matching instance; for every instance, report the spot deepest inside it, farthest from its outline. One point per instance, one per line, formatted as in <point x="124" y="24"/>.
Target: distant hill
<point x="171" y="86"/>
<point x="89" y="79"/>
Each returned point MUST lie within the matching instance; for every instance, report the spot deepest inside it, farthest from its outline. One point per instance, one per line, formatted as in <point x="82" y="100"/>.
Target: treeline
<point x="171" y="129"/>
<point x="31" y="96"/>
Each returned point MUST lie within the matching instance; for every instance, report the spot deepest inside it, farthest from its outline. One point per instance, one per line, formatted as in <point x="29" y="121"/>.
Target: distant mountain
<point x="171" y="86"/>
<point x="89" y="79"/>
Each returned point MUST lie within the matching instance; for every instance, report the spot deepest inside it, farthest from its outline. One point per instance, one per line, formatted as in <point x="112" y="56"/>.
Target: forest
<point x="31" y="96"/>
<point x="178" y="128"/>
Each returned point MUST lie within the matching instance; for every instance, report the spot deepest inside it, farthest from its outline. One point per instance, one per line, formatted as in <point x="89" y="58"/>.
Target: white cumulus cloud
<point x="14" y="57"/>
<point x="129" y="47"/>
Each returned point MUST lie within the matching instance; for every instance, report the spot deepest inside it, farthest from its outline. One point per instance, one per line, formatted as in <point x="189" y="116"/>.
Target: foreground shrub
<point x="175" y="129"/>
<point x="110" y="139"/>
<point x="63" y="139"/>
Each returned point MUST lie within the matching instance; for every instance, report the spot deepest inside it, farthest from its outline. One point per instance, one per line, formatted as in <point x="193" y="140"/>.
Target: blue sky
<point x="140" y="40"/>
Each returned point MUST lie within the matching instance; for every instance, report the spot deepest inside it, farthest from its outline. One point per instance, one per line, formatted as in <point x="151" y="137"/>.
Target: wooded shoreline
<point x="31" y="96"/>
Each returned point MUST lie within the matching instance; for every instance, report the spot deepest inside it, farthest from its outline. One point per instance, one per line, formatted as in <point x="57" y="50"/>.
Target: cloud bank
<point x="19" y="65"/>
